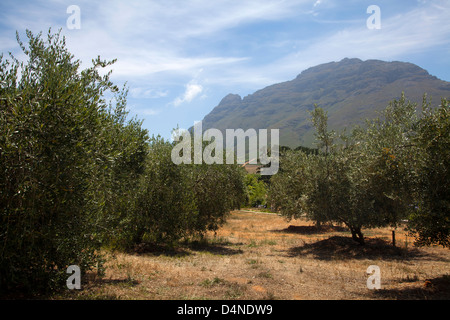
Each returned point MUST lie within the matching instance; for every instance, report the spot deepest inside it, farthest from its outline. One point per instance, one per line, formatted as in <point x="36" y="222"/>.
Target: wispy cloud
<point x="154" y="37"/>
<point x="411" y="32"/>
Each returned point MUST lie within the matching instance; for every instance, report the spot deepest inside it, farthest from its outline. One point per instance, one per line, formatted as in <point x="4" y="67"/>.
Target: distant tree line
<point x="256" y="190"/>
<point x="394" y="168"/>
<point x="77" y="174"/>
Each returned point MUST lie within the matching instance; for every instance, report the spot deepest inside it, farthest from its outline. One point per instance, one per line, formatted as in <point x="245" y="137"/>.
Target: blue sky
<point x="181" y="57"/>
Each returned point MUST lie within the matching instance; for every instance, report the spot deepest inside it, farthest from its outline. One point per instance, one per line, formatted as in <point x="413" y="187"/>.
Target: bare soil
<point x="258" y="255"/>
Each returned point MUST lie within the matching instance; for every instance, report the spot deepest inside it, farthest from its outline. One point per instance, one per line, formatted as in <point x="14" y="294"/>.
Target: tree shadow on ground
<point x="215" y="249"/>
<point x="92" y="279"/>
<point x="311" y="229"/>
<point x="159" y="250"/>
<point x="341" y="248"/>
<point x="430" y="289"/>
<point x="185" y="249"/>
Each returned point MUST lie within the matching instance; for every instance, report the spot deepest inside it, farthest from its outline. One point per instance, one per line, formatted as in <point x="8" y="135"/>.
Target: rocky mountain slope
<point x="351" y="90"/>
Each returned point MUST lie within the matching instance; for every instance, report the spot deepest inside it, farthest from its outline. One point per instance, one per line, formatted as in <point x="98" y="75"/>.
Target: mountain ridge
<point x="350" y="90"/>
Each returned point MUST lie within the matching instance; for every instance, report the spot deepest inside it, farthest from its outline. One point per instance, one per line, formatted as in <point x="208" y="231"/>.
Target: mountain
<point x="351" y="90"/>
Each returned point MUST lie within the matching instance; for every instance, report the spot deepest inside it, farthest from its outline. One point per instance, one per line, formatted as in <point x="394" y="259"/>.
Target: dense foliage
<point x="76" y="174"/>
<point x="430" y="220"/>
<point x="256" y="190"/>
<point x="56" y="160"/>
<point x="393" y="169"/>
<point x="181" y="201"/>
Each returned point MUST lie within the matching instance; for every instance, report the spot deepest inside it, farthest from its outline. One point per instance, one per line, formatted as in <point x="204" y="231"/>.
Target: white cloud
<point x="193" y="89"/>
<point x="154" y="61"/>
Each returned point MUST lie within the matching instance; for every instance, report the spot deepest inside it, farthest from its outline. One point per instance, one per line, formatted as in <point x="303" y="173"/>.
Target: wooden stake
<point x="393" y="238"/>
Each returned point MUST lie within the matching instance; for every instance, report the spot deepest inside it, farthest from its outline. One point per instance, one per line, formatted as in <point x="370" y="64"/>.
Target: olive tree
<point x="430" y="220"/>
<point x="364" y="181"/>
<point x="61" y="145"/>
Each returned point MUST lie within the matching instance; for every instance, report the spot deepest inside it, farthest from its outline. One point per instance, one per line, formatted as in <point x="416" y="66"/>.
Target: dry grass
<point x="262" y="256"/>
